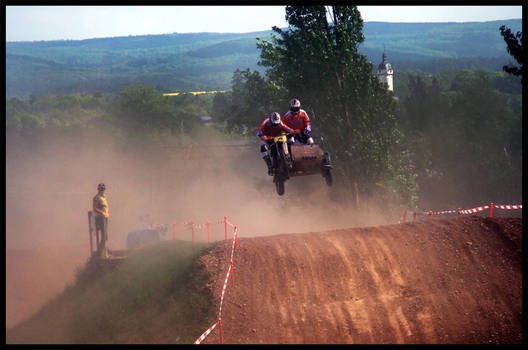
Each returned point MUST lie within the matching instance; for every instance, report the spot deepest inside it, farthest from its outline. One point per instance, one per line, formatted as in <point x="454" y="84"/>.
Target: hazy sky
<point x="29" y="23"/>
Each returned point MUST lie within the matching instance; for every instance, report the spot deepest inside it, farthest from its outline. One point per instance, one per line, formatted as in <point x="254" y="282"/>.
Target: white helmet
<point x="275" y="119"/>
<point x="295" y="105"/>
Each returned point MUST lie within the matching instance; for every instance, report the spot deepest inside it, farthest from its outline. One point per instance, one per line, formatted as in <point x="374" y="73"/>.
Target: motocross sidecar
<point x="297" y="160"/>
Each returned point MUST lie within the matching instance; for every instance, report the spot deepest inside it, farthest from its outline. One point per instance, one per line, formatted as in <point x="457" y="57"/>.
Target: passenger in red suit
<point x="269" y="128"/>
<point x="297" y="119"/>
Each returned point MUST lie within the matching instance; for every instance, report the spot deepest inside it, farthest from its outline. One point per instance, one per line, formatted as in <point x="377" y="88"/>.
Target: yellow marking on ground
<point x="193" y="93"/>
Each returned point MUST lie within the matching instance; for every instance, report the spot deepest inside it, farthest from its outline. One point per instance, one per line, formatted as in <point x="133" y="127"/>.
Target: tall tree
<point x="316" y="59"/>
<point x="515" y="48"/>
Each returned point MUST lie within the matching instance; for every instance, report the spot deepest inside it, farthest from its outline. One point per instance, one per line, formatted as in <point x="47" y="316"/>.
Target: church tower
<point x="385" y="71"/>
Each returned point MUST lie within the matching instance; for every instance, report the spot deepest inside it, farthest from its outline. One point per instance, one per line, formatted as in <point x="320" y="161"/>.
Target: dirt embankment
<point x="444" y="281"/>
<point x="35" y="276"/>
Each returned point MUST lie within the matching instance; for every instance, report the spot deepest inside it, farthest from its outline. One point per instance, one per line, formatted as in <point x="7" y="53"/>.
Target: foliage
<point x="319" y="62"/>
<point x="253" y="99"/>
<point x="464" y="137"/>
<point x="137" y="117"/>
<point x="515" y="48"/>
<point x="206" y="61"/>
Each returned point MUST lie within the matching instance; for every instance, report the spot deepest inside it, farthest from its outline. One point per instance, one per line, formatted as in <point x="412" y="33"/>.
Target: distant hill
<point x="206" y="61"/>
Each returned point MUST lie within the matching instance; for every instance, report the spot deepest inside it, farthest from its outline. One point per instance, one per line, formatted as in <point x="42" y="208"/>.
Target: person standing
<point x="100" y="209"/>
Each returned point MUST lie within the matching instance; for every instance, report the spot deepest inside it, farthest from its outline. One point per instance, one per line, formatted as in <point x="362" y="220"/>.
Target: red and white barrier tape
<point x="444" y="212"/>
<point x="508" y="207"/>
<point x="466" y="211"/>
<point x="474" y="210"/>
<point x="228" y="271"/>
<point x="224" y="287"/>
<point x="205" y="334"/>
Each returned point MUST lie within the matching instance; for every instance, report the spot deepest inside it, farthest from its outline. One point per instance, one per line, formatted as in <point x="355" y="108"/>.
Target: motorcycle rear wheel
<point x="328" y="178"/>
<point x="279" y="185"/>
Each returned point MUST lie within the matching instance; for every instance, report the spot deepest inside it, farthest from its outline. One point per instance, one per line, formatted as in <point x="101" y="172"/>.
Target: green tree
<point x="464" y="138"/>
<point x="514" y="48"/>
<point x="143" y="108"/>
<point x="317" y="61"/>
<point x="485" y="127"/>
<point x="253" y="98"/>
<point x="221" y="106"/>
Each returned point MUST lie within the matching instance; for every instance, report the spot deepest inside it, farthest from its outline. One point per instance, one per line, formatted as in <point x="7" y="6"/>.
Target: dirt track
<point x="445" y="281"/>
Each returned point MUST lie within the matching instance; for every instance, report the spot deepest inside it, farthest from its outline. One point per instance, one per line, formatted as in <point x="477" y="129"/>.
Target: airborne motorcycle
<point x="296" y="160"/>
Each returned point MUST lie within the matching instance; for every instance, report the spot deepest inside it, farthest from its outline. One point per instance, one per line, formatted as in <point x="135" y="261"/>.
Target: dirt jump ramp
<point x="435" y="282"/>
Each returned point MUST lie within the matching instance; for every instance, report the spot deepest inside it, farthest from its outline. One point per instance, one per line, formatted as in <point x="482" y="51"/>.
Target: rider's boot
<point x="267" y="159"/>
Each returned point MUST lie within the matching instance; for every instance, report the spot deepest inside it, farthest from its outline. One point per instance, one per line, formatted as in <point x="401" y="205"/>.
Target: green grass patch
<point x="156" y="295"/>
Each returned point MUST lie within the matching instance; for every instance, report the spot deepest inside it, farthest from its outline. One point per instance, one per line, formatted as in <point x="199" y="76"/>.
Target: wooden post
<point x="90" y="231"/>
<point x="430" y="215"/>
<point x="208" y="224"/>
<point x="173" y="230"/>
<point x="414" y="216"/>
<point x="491" y="209"/>
<point x="221" y="330"/>
<point x="192" y="231"/>
<point x="458" y="212"/>
<point x="225" y="226"/>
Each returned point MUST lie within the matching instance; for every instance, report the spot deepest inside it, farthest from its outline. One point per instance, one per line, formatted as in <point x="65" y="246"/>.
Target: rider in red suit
<point x="297" y="119"/>
<point x="269" y="128"/>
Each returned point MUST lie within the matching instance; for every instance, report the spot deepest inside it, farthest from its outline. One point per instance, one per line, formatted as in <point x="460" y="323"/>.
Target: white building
<point x="385" y="72"/>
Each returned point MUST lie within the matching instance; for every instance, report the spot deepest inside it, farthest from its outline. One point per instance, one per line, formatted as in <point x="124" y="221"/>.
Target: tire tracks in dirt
<point x="446" y="281"/>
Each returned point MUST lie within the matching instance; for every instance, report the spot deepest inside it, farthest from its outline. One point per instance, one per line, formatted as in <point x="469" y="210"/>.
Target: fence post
<point x="208" y="224"/>
<point x="430" y="215"/>
<point x="458" y="212"/>
<point x="173" y="230"/>
<point x="236" y="237"/>
<point x="491" y="209"/>
<point x="225" y="226"/>
<point x="414" y="216"/>
<point x="221" y="330"/>
<point x="192" y="231"/>
<point x="90" y="231"/>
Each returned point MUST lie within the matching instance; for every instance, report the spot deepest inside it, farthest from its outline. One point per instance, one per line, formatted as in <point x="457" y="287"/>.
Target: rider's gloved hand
<point x="307" y="132"/>
<point x="297" y="131"/>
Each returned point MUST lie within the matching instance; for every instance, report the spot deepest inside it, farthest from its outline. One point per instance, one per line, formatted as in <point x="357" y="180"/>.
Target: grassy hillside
<point x="154" y="296"/>
<point x="206" y="61"/>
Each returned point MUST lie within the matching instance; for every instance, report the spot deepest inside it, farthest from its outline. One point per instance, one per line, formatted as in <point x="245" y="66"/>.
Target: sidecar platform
<point x="308" y="159"/>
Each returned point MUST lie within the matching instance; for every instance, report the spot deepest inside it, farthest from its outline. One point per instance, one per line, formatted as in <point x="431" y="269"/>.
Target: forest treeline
<point x="441" y="140"/>
<point x="206" y="61"/>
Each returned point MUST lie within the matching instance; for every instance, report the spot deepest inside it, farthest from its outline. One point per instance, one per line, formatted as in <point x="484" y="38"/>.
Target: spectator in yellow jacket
<point x="100" y="209"/>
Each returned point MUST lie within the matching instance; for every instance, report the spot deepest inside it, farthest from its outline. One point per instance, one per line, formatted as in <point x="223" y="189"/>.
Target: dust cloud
<point x="50" y="184"/>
